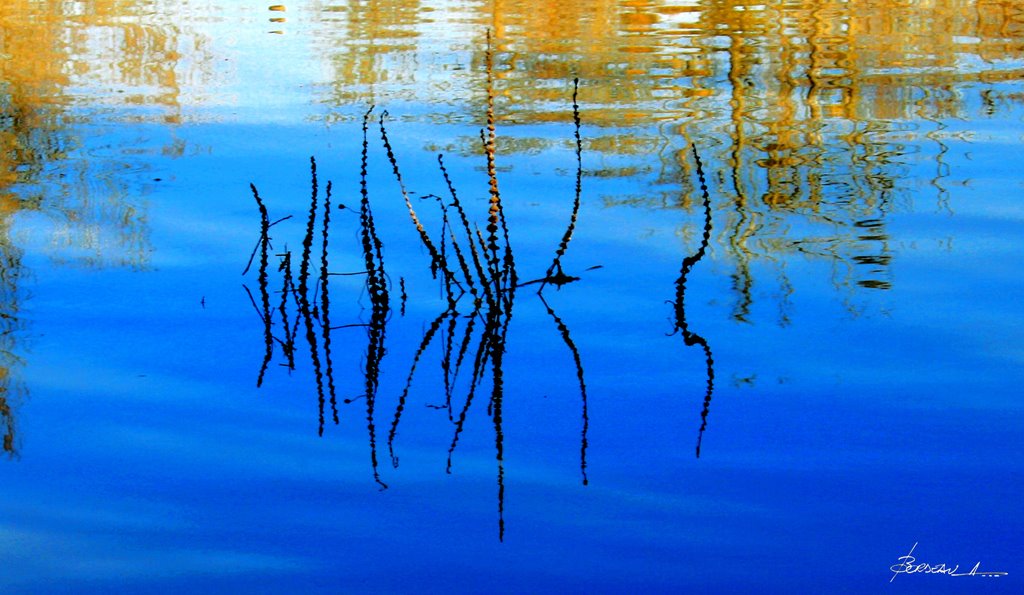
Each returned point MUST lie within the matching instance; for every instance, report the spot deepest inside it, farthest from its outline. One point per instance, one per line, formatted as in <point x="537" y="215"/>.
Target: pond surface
<point x="795" y="380"/>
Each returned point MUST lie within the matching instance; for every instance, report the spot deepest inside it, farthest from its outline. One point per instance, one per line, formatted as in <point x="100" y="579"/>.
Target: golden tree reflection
<point x="811" y="111"/>
<point x="49" y="52"/>
<point x="815" y="107"/>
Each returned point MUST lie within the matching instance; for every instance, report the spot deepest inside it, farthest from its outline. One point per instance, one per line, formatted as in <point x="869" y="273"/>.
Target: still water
<point x="549" y="361"/>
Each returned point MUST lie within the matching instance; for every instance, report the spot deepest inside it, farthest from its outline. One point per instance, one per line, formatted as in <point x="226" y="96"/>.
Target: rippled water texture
<point x="737" y="312"/>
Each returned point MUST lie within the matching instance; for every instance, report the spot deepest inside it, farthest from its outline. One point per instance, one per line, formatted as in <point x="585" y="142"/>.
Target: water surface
<point x="834" y="329"/>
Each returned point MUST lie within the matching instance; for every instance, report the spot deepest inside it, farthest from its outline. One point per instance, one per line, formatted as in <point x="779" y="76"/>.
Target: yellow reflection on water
<point x="109" y="56"/>
<point x="51" y="54"/>
<point x="799" y="105"/>
<point x="797" y="101"/>
<point x="848" y="59"/>
<point x="778" y="83"/>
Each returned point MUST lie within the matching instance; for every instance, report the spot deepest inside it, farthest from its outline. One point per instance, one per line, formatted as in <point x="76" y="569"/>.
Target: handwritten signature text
<point x="908" y="564"/>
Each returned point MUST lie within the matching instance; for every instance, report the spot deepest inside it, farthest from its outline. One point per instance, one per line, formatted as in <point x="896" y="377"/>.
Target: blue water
<point x="865" y="340"/>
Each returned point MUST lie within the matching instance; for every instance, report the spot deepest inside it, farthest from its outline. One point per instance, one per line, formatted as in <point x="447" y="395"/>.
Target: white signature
<point x="908" y="565"/>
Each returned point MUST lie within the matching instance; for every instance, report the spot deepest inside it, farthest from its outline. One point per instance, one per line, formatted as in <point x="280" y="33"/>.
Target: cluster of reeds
<point x="691" y="338"/>
<point x="305" y="299"/>
<point x="476" y="270"/>
<point x="484" y="267"/>
<point x="298" y="304"/>
<point x="467" y="262"/>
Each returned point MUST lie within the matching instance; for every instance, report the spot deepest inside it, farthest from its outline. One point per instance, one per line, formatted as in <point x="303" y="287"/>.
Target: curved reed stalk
<point x="437" y="259"/>
<point x="307" y="242"/>
<point x="264" y="248"/>
<point x="374" y="354"/>
<point x="554" y="273"/>
<point x="505" y="267"/>
<point x="287" y="289"/>
<point x="302" y="293"/>
<point x="689" y="337"/>
<point x="474" y="253"/>
<point x="480" y="359"/>
<point x="563" y="330"/>
<point x="446" y="362"/>
<point x="325" y="303"/>
<point x="428" y="338"/>
<point x="376" y="283"/>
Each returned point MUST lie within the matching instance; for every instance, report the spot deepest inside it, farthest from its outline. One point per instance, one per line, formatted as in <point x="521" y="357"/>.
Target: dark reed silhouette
<point x="490" y="353"/>
<point x="484" y="268"/>
<point x="563" y="330"/>
<point x="477" y="265"/>
<point x="467" y="339"/>
<point x="287" y="290"/>
<point x="403" y="296"/>
<point x="428" y="338"/>
<point x="691" y="338"/>
<point x="448" y="372"/>
<point x="305" y="303"/>
<point x="310" y="310"/>
<point x="376" y="286"/>
<point x="438" y="263"/>
<point x="554" y="274"/>
<point x="498" y="280"/>
<point x="264" y="249"/>
<point x="325" y="303"/>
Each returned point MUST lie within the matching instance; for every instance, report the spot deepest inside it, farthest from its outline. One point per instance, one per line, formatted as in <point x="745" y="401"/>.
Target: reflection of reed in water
<point x="493" y="270"/>
<point x="287" y="291"/>
<point x="689" y="337"/>
<point x="489" y="352"/>
<point x="563" y="330"/>
<point x="428" y="338"/>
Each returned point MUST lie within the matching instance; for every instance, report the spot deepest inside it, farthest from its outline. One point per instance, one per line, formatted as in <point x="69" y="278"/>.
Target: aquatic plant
<point x="554" y="273"/>
<point x="463" y="258"/>
<point x="376" y="285"/>
<point x="325" y="303"/>
<point x="437" y="259"/>
<point x="264" y="249"/>
<point x="287" y="290"/>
